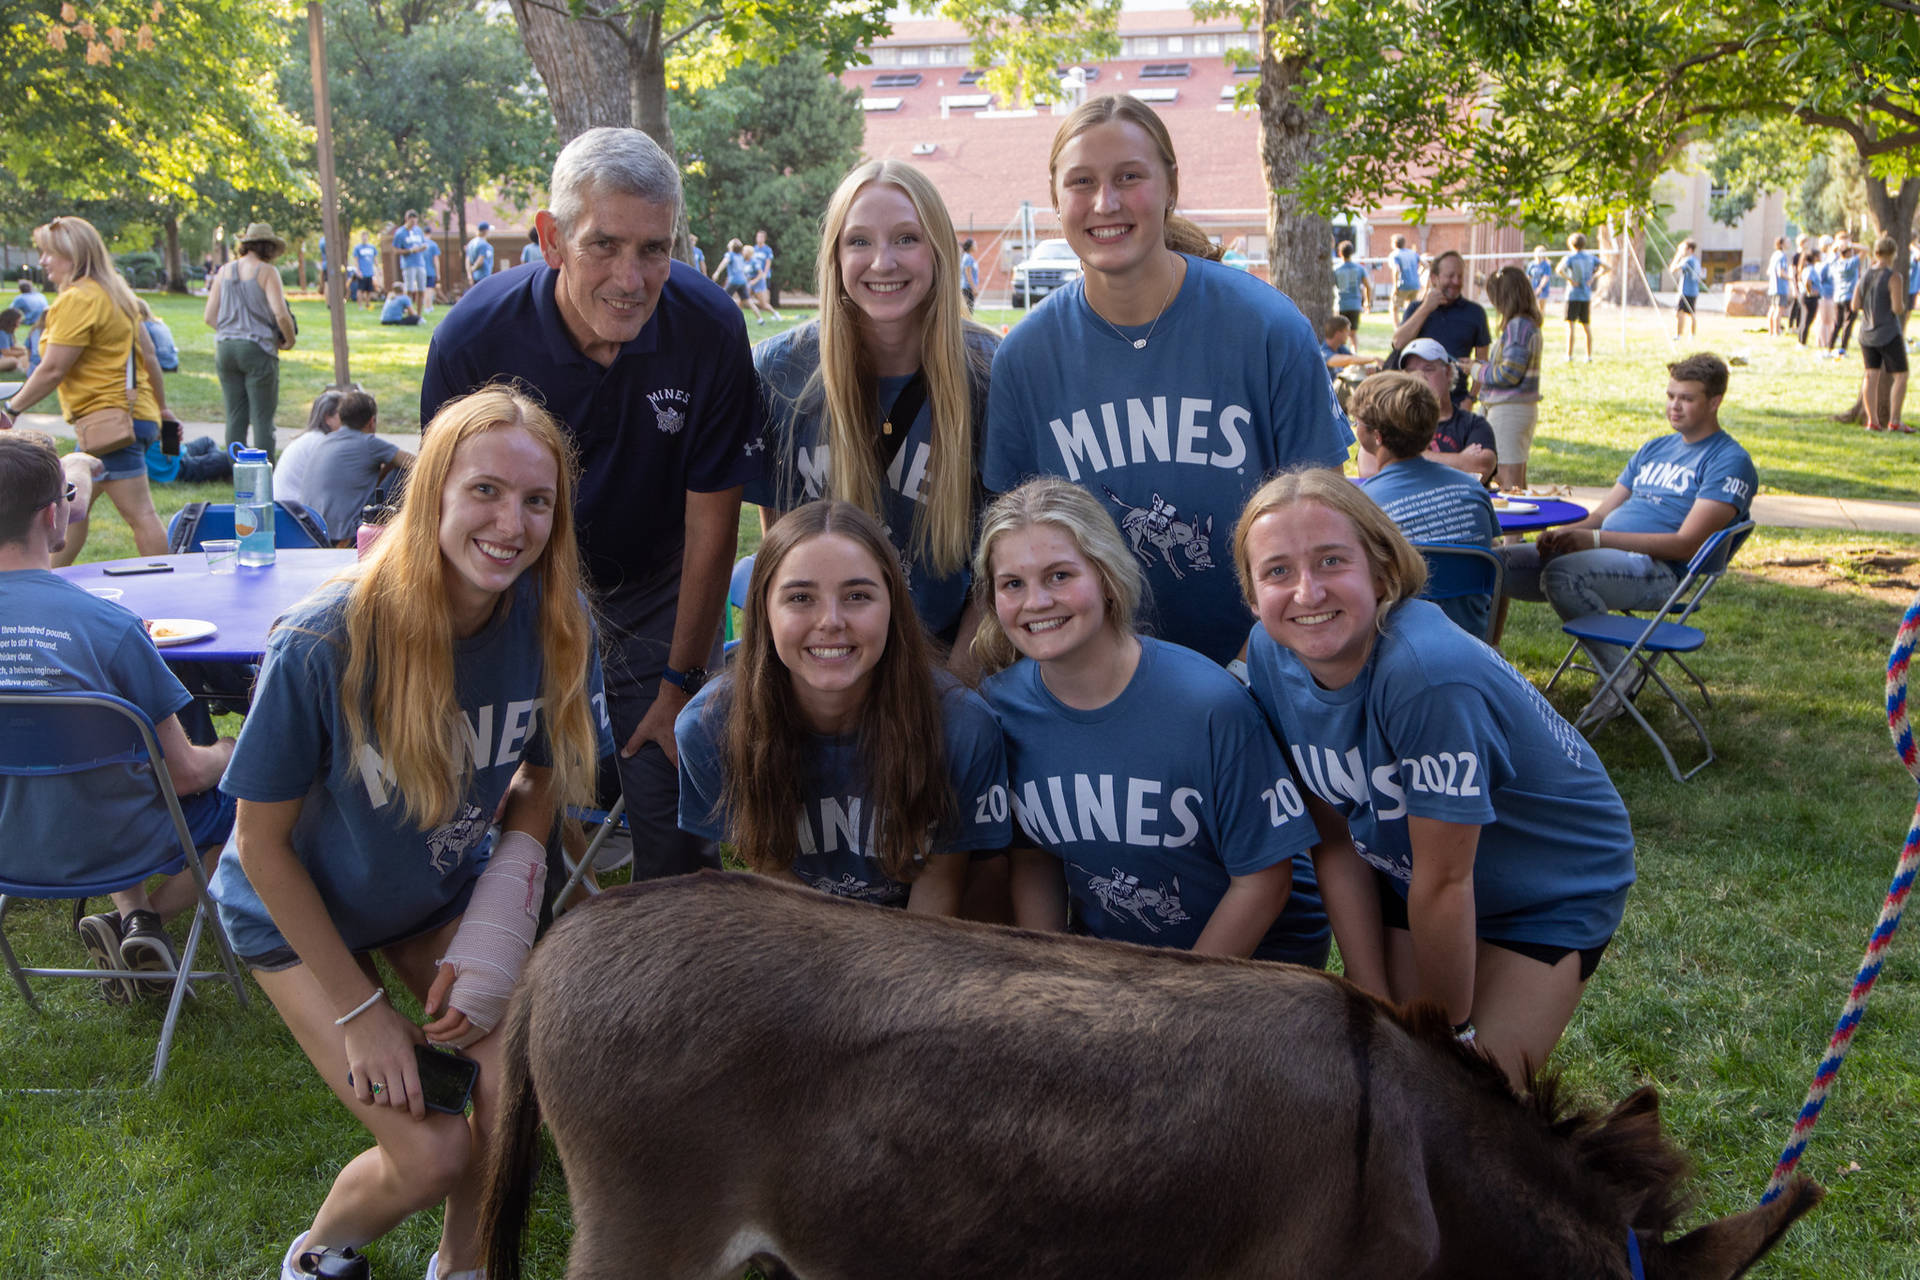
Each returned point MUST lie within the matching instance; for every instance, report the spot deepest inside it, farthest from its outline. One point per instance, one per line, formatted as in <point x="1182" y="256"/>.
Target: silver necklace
<point x="1140" y="344"/>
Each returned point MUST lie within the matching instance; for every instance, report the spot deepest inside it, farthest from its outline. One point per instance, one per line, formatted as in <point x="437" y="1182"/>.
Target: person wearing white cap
<point x="247" y="311"/>
<point x="1463" y="440"/>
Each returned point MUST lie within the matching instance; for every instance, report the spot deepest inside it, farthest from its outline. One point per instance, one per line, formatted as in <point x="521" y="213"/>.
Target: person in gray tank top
<point x="247" y="311"/>
<point x="1882" y="299"/>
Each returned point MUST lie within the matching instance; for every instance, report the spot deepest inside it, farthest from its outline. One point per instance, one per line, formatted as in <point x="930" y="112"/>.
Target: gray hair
<point x="622" y="161"/>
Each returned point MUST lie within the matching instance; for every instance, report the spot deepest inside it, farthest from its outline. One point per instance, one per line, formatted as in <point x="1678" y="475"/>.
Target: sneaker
<point x="100" y="935"/>
<point x="301" y="1263"/>
<point x="144" y="945"/>
<point x="1900" y="427"/>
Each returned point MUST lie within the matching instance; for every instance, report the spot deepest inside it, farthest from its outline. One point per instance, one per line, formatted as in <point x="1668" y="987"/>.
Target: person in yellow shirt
<point x="97" y="356"/>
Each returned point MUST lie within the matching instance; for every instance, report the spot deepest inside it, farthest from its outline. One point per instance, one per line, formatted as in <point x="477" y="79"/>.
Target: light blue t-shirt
<point x="836" y="823"/>
<point x="364" y="256"/>
<point x="797" y="467"/>
<point x="433" y="261"/>
<point x="1540" y="275"/>
<point x="1436" y="503"/>
<point x="1913" y="275"/>
<point x="481" y="248"/>
<point x="1581" y="268"/>
<point x="969" y="272"/>
<point x="1779" y="274"/>
<point x="394" y="308"/>
<point x="164" y="349"/>
<point x="1350" y="285"/>
<point x="699" y="259"/>
<point x="1668" y="475"/>
<point x="1847" y="275"/>
<point x="55" y="637"/>
<point x="31" y="306"/>
<point x="1154" y="801"/>
<point x="1822" y="277"/>
<point x="411" y="244"/>
<point x="380" y="877"/>
<point x="762" y="267"/>
<point x="340" y="475"/>
<point x="1172" y="438"/>
<point x="530" y="252"/>
<point x="1689" y="274"/>
<point x="1406" y="266"/>
<point x="1437" y="725"/>
<point x="737" y="265"/>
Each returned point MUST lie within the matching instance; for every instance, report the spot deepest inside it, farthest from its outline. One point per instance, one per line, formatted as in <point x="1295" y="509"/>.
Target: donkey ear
<point x="1723" y="1250"/>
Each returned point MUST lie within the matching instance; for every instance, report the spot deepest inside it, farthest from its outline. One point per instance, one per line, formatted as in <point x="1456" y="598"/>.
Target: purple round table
<point x="242" y="604"/>
<point x="1552" y="512"/>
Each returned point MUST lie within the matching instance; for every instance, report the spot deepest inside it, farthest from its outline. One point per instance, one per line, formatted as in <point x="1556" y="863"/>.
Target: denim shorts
<point x="284" y="957"/>
<point x="125" y="464"/>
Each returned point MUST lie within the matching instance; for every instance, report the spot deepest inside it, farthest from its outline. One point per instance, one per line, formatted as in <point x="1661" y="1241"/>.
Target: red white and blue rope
<point x="1829" y="1070"/>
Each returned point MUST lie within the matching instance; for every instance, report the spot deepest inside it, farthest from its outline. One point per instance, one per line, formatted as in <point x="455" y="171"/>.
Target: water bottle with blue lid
<point x="252" y="504"/>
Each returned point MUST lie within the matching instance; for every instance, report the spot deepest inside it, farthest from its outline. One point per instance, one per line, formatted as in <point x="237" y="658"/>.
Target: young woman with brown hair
<point x="1510" y="380"/>
<point x="832" y="750"/>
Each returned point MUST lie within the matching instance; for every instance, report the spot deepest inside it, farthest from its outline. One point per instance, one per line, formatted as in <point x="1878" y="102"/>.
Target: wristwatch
<point x="690" y="681"/>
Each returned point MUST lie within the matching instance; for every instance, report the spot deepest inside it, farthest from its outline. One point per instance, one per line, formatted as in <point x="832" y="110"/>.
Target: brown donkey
<point x="736" y="1071"/>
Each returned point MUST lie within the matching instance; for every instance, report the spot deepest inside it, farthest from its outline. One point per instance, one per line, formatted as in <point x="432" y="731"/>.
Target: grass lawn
<point x="1758" y="883"/>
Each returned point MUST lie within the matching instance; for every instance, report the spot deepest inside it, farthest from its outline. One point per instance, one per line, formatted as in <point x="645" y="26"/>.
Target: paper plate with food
<point x="171" y="631"/>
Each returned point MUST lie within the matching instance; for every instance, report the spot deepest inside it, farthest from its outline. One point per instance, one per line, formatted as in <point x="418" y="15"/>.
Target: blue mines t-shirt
<point x="1350" y="283"/>
<point x="364" y="256"/>
<point x="1668" y="475"/>
<point x="1153" y="801"/>
<point x="1582" y="267"/>
<point x="1437" y="725"/>
<point x="736" y="265"/>
<point x="411" y="244"/>
<point x="1779" y="274"/>
<point x="1690" y="276"/>
<point x="482" y="247"/>
<point x="1540" y="275"/>
<point x="1230" y="388"/>
<point x="836" y="825"/>
<point x="1406" y="266"/>
<point x="797" y="467"/>
<point x="762" y="264"/>
<point x="379" y="876"/>
<point x="56" y="637"/>
<point x="394" y="308"/>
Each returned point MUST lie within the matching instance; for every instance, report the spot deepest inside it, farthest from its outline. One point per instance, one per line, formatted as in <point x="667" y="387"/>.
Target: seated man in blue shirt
<point x="81" y="642"/>
<point x="1678" y="490"/>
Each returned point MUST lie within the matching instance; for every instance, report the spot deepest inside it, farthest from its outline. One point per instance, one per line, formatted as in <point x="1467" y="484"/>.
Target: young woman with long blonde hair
<point x="832" y="751"/>
<point x="880" y="402"/>
<point x="99" y="358"/>
<point x="1163" y="383"/>
<point x="450" y="677"/>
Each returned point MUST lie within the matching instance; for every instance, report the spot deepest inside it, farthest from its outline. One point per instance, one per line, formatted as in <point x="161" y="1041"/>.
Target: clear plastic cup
<point x="223" y="554"/>
<point x="106" y="593"/>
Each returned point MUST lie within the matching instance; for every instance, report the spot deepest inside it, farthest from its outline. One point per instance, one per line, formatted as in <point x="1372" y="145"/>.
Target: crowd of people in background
<point x="1084" y="627"/>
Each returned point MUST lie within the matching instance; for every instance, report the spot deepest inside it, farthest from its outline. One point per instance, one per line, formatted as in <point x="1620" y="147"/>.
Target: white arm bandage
<point x="490" y="946"/>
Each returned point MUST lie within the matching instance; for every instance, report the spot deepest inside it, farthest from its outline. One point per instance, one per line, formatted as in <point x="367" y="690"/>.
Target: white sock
<point x="289" y="1265"/>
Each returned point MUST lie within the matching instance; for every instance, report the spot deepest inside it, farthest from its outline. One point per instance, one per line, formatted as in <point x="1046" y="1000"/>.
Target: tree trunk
<point x="1299" y="242"/>
<point x="176" y="270"/>
<point x="460" y="220"/>
<point x="583" y="64"/>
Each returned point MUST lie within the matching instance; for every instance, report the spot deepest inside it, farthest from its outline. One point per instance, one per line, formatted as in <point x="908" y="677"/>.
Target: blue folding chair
<point x="44" y="735"/>
<point x="1650" y="640"/>
<point x="295" y="525"/>
<point x="737" y="597"/>
<point x="1460" y="576"/>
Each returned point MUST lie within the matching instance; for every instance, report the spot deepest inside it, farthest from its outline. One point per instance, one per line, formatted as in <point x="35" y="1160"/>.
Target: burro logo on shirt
<point x="670" y="407"/>
<point x="1335" y="777"/>
<point x="1195" y="435"/>
<point x="1096" y="811"/>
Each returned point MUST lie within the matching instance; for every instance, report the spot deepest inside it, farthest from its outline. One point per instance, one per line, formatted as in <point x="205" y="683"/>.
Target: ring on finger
<point x="378" y="1088"/>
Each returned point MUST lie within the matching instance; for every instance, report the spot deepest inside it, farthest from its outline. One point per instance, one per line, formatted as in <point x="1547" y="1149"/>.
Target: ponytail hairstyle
<point x="77" y="240"/>
<point x="1181" y="235"/>
<point x="770" y="753"/>
<point x="1511" y="294"/>
<point x="843" y="382"/>
<point x="397" y="688"/>
<point x="1053" y="500"/>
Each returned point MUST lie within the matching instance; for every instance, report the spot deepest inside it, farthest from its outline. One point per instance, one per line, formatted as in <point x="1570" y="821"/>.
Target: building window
<point x="1144" y="46"/>
<point x="1166" y="71"/>
<point x="913" y="57"/>
<point x="1240" y="40"/>
<point x="971" y="77"/>
<point x="1206" y="44"/>
<point x="879" y="104"/>
<point x="898" y="80"/>
<point x="1176" y="44"/>
<point x="1157" y="95"/>
<point x="886" y="57"/>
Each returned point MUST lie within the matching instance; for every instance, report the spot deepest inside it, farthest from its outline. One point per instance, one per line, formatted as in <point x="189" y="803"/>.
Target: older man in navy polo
<point x="1445" y="314"/>
<point x="648" y="366"/>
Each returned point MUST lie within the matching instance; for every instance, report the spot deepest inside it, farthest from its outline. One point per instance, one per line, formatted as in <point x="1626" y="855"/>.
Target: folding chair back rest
<point x="295" y="525"/>
<point x="737" y="585"/>
<point x="1454" y="570"/>
<point x="1706" y="568"/>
